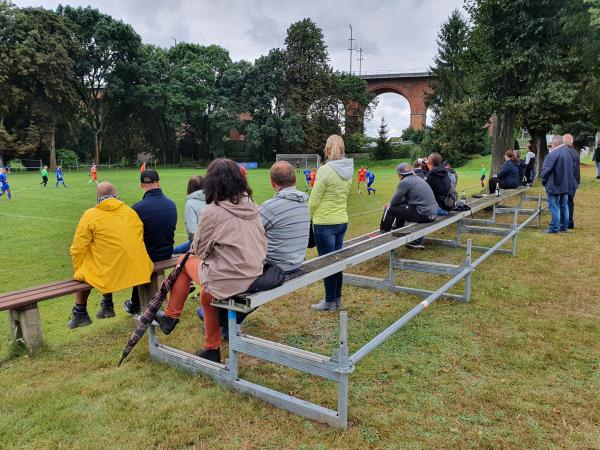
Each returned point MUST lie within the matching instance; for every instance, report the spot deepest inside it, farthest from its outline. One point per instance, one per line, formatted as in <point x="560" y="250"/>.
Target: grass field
<point x="519" y="367"/>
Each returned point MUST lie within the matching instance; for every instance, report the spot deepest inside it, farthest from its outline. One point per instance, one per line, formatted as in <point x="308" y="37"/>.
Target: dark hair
<point x="436" y="159"/>
<point x="224" y="181"/>
<point x="282" y="174"/>
<point x="196" y="183"/>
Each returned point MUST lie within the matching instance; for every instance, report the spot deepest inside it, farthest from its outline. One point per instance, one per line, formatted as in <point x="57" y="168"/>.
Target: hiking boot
<point x="210" y="354"/>
<point x="105" y="312"/>
<point x="324" y="305"/>
<point x="131" y="307"/>
<point x="166" y="323"/>
<point x="79" y="319"/>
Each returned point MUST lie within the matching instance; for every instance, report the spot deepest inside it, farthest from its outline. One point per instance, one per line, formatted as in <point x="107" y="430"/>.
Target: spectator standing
<point x="107" y="252"/>
<point x="568" y="142"/>
<point x="328" y="205"/>
<point x="529" y="164"/>
<point x="596" y="158"/>
<point x="558" y="178"/>
<point x="286" y="219"/>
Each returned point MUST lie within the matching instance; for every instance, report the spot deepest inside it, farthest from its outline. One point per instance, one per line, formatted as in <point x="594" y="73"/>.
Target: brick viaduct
<point x="413" y="87"/>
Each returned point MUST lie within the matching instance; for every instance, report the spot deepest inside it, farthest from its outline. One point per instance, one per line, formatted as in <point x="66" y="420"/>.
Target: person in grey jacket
<point x="413" y="201"/>
<point x="194" y="204"/>
<point x="568" y="142"/>
<point x="286" y="220"/>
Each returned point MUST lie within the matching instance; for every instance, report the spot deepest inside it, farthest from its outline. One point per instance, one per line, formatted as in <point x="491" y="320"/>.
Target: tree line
<point x="79" y="79"/>
<point x="527" y="65"/>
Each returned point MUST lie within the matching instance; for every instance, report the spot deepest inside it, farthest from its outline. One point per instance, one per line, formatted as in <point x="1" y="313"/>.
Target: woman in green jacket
<point x="328" y="205"/>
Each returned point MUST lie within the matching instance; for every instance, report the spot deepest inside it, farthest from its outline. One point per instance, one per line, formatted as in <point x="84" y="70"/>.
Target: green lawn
<point x="519" y="367"/>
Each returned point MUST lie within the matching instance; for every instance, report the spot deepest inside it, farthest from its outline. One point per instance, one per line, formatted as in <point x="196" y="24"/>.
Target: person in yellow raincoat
<point x="107" y="252"/>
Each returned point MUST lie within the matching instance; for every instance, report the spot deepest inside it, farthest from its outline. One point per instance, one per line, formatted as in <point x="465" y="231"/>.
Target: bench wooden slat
<point x="32" y="295"/>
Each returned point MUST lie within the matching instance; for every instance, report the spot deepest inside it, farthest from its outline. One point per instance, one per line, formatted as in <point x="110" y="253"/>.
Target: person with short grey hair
<point x="286" y="219"/>
<point x="555" y="142"/>
<point x="568" y="142"/>
<point x="558" y="178"/>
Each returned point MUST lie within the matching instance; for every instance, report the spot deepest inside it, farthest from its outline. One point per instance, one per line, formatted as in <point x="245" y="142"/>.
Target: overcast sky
<point x="394" y="34"/>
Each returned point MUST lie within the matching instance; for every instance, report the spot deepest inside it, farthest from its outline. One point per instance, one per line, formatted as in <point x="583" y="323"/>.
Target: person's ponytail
<point x="334" y="147"/>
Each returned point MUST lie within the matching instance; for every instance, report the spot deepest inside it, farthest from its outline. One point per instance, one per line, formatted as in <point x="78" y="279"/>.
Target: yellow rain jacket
<point x="108" y="250"/>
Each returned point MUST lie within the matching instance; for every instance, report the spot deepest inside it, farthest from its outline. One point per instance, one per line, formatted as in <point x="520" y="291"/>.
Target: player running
<point x="361" y="177"/>
<point x="4" y="187"/>
<point x="60" y="178"/>
<point x="369" y="179"/>
<point x="44" y="174"/>
<point x="307" y="178"/>
<point x="313" y="177"/>
<point x="93" y="174"/>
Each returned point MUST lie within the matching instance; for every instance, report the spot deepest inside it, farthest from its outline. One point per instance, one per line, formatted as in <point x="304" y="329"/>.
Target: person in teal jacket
<point x="328" y="204"/>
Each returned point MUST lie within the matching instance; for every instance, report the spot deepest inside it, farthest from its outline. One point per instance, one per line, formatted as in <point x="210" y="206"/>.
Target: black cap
<point x="149" y="176"/>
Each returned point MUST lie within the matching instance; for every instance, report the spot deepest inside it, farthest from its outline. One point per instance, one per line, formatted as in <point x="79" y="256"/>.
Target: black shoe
<point x="414" y="245"/>
<point x="131" y="307"/>
<point x="105" y="312"/>
<point x="166" y="323"/>
<point x="212" y="354"/>
<point x="79" y="319"/>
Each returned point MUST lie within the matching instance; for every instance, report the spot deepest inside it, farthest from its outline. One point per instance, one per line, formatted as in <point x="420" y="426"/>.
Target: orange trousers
<point x="179" y="294"/>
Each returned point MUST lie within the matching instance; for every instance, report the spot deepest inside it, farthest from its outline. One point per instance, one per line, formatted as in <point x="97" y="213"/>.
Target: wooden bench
<point x="24" y="317"/>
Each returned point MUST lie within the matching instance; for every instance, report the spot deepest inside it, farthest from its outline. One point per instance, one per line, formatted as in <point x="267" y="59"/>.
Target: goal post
<point x="301" y="160"/>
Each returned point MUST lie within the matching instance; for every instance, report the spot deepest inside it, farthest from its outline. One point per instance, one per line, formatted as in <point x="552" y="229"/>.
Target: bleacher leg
<point x="468" y="276"/>
<point x="343" y="362"/>
<point x="513" y="227"/>
<point x="24" y="324"/>
<point x="233" y="334"/>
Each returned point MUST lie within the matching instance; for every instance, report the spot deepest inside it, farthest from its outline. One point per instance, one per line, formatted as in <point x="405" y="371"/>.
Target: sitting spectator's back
<point x="286" y="219"/>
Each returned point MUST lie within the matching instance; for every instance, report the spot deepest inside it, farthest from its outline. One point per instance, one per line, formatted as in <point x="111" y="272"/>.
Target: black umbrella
<point x="153" y="305"/>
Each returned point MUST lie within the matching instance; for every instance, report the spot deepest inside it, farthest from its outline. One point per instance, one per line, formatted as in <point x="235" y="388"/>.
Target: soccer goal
<point x="301" y="161"/>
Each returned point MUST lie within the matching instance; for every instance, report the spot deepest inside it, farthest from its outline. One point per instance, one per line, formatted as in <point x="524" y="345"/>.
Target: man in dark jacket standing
<point x="596" y="158"/>
<point x="558" y="179"/>
<point x="158" y="213"/>
<point x="568" y="142"/>
<point x="439" y="180"/>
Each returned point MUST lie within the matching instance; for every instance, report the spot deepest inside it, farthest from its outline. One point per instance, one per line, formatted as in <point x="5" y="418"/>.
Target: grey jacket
<point x="286" y="220"/>
<point x="415" y="191"/>
<point x="194" y="204"/>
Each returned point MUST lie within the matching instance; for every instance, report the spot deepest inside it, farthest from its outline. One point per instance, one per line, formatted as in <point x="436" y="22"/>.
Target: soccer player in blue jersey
<point x="307" y="178"/>
<point x="4" y="187"/>
<point x="60" y="178"/>
<point x="370" y="178"/>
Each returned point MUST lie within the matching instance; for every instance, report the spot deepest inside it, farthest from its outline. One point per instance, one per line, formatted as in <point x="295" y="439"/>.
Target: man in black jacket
<point x="439" y="181"/>
<point x="568" y="142"/>
<point x="596" y="158"/>
<point x="158" y="213"/>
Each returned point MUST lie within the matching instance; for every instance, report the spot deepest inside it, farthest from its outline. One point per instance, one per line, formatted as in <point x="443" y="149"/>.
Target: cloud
<point x="394" y="34"/>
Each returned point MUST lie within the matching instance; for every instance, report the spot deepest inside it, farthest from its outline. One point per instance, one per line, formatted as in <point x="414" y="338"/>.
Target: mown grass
<point x="518" y="367"/>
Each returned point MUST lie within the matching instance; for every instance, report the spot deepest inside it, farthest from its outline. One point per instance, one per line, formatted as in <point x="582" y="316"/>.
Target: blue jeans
<point x="442" y="212"/>
<point x="559" y="210"/>
<point x="329" y="238"/>
<point x="182" y="248"/>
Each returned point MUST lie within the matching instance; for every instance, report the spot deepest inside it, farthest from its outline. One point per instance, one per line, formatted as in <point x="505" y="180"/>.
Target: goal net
<point x="301" y="161"/>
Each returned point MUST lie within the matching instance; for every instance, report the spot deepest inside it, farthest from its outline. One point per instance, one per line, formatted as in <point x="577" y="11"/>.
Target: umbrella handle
<point x="183" y="260"/>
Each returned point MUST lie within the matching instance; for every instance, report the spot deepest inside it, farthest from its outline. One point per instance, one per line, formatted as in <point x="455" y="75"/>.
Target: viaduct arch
<point x="413" y="86"/>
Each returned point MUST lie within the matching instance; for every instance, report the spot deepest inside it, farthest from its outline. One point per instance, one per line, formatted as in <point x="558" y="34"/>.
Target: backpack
<point x="271" y="278"/>
<point x="450" y="199"/>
